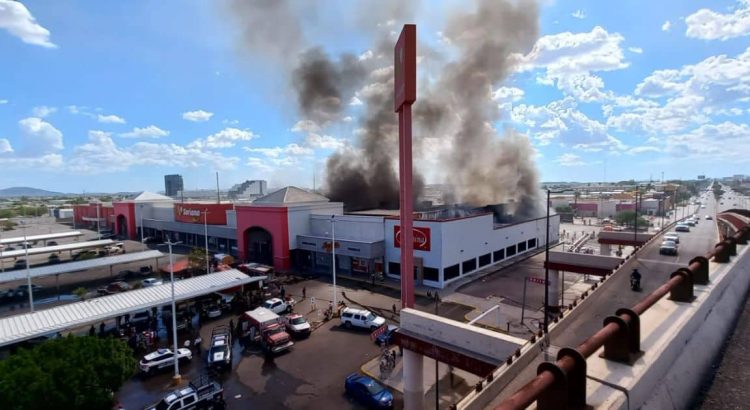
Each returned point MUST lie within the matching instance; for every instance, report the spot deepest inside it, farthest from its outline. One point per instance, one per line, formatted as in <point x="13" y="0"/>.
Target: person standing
<point x="283" y="292"/>
<point x="304" y="292"/>
<point x="312" y="304"/>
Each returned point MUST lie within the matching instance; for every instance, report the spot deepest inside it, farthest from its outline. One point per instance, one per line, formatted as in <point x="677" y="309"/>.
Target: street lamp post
<point x="635" y="226"/>
<point x="546" y="271"/>
<point x="98" y="231"/>
<point x="333" y="254"/>
<point x="176" y="378"/>
<point x="143" y="243"/>
<point x="205" y="236"/>
<point x="28" y="271"/>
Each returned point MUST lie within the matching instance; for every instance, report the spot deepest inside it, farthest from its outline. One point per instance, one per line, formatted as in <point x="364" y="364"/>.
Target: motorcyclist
<point x="635" y="279"/>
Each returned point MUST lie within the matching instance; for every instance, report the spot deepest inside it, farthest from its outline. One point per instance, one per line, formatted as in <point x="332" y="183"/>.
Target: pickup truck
<point x="204" y="393"/>
<point x="279" y="306"/>
<point x="219" y="354"/>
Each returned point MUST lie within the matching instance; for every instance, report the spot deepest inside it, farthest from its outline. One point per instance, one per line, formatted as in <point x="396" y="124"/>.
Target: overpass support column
<point x="555" y="290"/>
<point x="605" y="249"/>
<point x="413" y="380"/>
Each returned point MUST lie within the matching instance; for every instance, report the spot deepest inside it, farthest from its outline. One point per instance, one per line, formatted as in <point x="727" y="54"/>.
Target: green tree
<point x="627" y="218"/>
<point x="197" y="259"/>
<point x="9" y="225"/>
<point x="67" y="373"/>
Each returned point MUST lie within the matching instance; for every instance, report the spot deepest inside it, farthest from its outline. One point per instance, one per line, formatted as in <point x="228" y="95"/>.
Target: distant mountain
<point x="26" y="191"/>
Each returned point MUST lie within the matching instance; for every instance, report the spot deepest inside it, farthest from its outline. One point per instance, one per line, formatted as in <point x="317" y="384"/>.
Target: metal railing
<point x="562" y="384"/>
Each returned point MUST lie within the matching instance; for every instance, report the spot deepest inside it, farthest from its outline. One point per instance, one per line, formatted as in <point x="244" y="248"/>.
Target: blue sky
<point x="110" y="96"/>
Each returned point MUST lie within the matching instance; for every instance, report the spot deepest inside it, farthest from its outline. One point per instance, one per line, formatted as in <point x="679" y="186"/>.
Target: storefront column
<point x="413" y="380"/>
<point x="555" y="286"/>
<point x="605" y="249"/>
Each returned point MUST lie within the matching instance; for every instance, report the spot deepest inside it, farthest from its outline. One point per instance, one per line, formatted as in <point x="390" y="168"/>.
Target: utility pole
<point x="176" y="378"/>
<point x="333" y="254"/>
<point x="546" y="272"/>
<point x="205" y="235"/>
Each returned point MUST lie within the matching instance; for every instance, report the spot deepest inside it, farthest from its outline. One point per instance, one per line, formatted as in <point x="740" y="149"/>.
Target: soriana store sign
<point x="421" y="238"/>
<point x="194" y="213"/>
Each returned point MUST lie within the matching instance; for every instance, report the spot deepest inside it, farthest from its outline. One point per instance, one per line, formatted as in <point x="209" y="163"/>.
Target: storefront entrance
<point x="259" y="245"/>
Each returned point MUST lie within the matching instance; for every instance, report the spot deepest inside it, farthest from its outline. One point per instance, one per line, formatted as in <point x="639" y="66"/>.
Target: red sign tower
<point x="405" y="93"/>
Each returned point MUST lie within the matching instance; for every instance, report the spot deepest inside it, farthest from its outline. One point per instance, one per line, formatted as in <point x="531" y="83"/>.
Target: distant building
<point x="249" y="189"/>
<point x="173" y="185"/>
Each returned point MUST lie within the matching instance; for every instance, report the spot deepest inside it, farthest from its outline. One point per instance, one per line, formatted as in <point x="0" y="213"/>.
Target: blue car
<point x="386" y="338"/>
<point x="368" y="392"/>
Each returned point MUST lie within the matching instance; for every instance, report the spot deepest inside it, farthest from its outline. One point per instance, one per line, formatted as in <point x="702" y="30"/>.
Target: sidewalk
<point x="451" y="389"/>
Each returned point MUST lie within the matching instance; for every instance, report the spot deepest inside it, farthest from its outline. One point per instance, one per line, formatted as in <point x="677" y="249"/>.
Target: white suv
<point x="361" y="318"/>
<point x="162" y="359"/>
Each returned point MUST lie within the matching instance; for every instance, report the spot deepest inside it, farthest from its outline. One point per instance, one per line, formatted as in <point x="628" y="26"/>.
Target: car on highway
<point x="709" y="217"/>
<point x="672" y="236"/>
<point x="149" y="282"/>
<point x="386" y="338"/>
<point x="690" y="222"/>
<point x="682" y="228"/>
<point x="360" y="318"/>
<point x="22" y="291"/>
<point x="19" y="264"/>
<point x="368" y="392"/>
<point x="163" y="359"/>
<point x="51" y="243"/>
<point x="668" y="248"/>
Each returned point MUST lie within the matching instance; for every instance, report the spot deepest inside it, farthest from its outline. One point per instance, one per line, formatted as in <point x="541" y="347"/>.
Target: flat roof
<point x="68" y="267"/>
<point x="56" y="248"/>
<point x="19" y="239"/>
<point x="26" y="326"/>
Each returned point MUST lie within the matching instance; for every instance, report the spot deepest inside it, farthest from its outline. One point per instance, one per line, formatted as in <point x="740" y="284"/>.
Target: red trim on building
<point x="127" y="210"/>
<point x="275" y="220"/>
<point x="106" y="212"/>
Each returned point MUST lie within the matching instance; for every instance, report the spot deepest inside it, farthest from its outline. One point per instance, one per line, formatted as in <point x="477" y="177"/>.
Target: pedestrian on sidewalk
<point x="394" y="308"/>
<point x="304" y="292"/>
<point x="312" y="304"/>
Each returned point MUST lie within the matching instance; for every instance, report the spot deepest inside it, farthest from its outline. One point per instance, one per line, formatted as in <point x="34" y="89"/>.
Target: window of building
<point x="432" y="274"/>
<point x="498" y="255"/>
<point x="510" y="251"/>
<point x="532" y="243"/>
<point x="353" y="249"/>
<point x="469" y="265"/>
<point x="521" y="247"/>
<point x="451" y="272"/>
<point x="394" y="268"/>
<point x="485" y="260"/>
<point x="309" y="243"/>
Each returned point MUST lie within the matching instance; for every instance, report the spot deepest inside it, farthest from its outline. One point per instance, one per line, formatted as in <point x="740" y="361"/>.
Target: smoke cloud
<point x="454" y="105"/>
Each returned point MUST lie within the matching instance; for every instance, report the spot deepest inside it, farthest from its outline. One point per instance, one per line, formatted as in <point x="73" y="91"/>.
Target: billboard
<point x="193" y="213"/>
<point x="405" y="67"/>
<point x="421" y="238"/>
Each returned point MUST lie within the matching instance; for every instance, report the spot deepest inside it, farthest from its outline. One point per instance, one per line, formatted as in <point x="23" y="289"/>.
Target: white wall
<point x="363" y="228"/>
<point x="299" y="217"/>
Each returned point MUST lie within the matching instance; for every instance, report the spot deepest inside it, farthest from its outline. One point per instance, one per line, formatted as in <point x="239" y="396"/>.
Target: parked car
<point x="204" y="393"/>
<point x="140" y="317"/>
<point x="368" y="392"/>
<point x="163" y="359"/>
<point x="23" y="290"/>
<point x="709" y="217"/>
<point x="114" y="287"/>
<point x="690" y="222"/>
<point x="672" y="236"/>
<point x="279" y="306"/>
<point x="53" y="258"/>
<point x="360" y="318"/>
<point x="682" y="228"/>
<point x="213" y="311"/>
<point x="51" y="243"/>
<point x="668" y="248"/>
<point x="19" y="264"/>
<point x="297" y="325"/>
<point x="385" y="338"/>
<point x="149" y="282"/>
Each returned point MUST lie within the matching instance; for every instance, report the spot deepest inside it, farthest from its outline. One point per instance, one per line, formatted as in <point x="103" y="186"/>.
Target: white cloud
<point x="707" y="24"/>
<point x="44" y="162"/>
<point x="569" y="160"/>
<point x="40" y="136"/>
<point x="366" y="55"/>
<point x="151" y="131"/>
<point x="643" y="149"/>
<point x="110" y="119"/>
<point x="306" y="126"/>
<point x="102" y="154"/>
<point x="3" y="102"/>
<point x="277" y="152"/>
<point x="230" y="122"/>
<point x="5" y="146"/>
<point x="579" y="14"/>
<point x="660" y="83"/>
<point x="508" y="94"/>
<point x="43" y="111"/>
<point x="226" y="138"/>
<point x="18" y="21"/>
<point x="569" y="59"/>
<point x="197" y="116"/>
<point x="666" y="26"/>
<point x="324" y="142"/>
<point x="636" y="50"/>
<point x="355" y="101"/>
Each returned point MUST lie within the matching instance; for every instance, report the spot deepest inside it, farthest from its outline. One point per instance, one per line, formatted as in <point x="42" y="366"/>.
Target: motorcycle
<point x="635" y="284"/>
